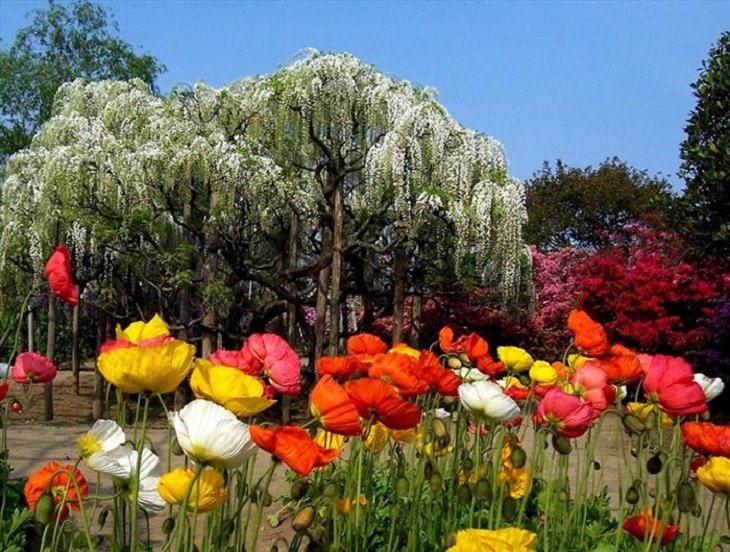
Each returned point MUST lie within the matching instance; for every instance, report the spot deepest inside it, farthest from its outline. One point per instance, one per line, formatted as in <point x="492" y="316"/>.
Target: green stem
<point x="260" y="505"/>
<point x="135" y="491"/>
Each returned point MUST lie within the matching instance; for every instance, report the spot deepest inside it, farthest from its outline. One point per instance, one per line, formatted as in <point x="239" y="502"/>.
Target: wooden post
<point x="291" y="308"/>
<point x="75" y="360"/>
<point x="50" y="352"/>
<point x="335" y="312"/>
<point x="97" y="401"/>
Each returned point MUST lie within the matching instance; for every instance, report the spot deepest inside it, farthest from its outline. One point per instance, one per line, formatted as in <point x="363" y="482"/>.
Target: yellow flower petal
<point x="206" y="494"/>
<point x="515" y="358"/>
<point x="715" y="474"/>
<point x="509" y="539"/>
<point x="330" y="440"/>
<point x="542" y="372"/>
<point x="403" y="349"/>
<point x="229" y="387"/>
<point x="377" y="437"/>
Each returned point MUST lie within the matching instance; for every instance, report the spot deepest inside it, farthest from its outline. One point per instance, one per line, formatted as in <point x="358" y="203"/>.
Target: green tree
<point x="705" y="153"/>
<point x="64" y="42"/>
<point x="577" y="207"/>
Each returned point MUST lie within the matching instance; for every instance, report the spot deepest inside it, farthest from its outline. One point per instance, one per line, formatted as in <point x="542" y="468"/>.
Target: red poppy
<point x="332" y="407"/>
<point x="487" y="365"/>
<point x="59" y="486"/>
<point x="366" y="344"/>
<point x="707" y="438"/>
<point x="646" y="527"/>
<point x="339" y="366"/>
<point x="376" y="399"/>
<point x="439" y="378"/>
<point x="293" y="446"/>
<point x="32" y="368"/>
<point x="476" y="347"/>
<point x="447" y="343"/>
<point x="670" y="382"/>
<point x="622" y="365"/>
<point x="564" y="414"/>
<point x="400" y="371"/>
<point x="60" y="279"/>
<point x="235" y="359"/>
<point x="4" y="390"/>
<point x="589" y="335"/>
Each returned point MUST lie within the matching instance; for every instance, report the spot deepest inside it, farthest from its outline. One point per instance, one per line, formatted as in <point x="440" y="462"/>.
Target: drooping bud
<point x="439" y="428"/>
<point x="632" y="495"/>
<point x="633" y="424"/>
<point x="453" y="363"/>
<point x="464" y="494"/>
<point x="509" y="508"/>
<point x="101" y="519"/>
<point x="299" y="489"/>
<point x="562" y="445"/>
<point x="483" y="490"/>
<point x="43" y="511"/>
<point x="402" y="487"/>
<point x="436" y="481"/>
<point x="303" y="519"/>
<point x="686" y="498"/>
<point x="176" y="448"/>
<point x="654" y="464"/>
<point x="168" y="526"/>
<point x="518" y="457"/>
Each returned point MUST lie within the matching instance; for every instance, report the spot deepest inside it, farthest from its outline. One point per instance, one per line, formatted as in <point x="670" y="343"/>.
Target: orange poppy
<point x="49" y="479"/>
<point x="293" y="446"/>
<point x="332" y="407"/>
<point x="378" y="400"/>
<point x="622" y="365"/>
<point x="399" y="370"/>
<point x="366" y="344"/>
<point x="707" y="438"/>
<point x="476" y="347"/>
<point x="487" y="365"/>
<point x="589" y="335"/>
<point x="439" y="378"/>
<point x="447" y="343"/>
<point x="339" y="366"/>
<point x="646" y="527"/>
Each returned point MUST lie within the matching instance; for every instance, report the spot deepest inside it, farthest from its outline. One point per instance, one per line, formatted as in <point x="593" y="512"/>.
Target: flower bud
<point x="464" y="358"/>
<point x="686" y="498"/>
<point x="562" y="445"/>
<point x="402" y="487"/>
<point x="633" y="424"/>
<point x="266" y="499"/>
<point x="303" y="519"/>
<point x="43" y="511"/>
<point x="654" y="464"/>
<point x="483" y="490"/>
<point x="596" y="465"/>
<point x="168" y="525"/>
<point x="435" y="481"/>
<point x="331" y="491"/>
<point x="467" y="465"/>
<point x="299" y="489"/>
<point x="453" y="363"/>
<point x="176" y="449"/>
<point x="101" y="519"/>
<point x="439" y="428"/>
<point x="697" y="510"/>
<point x="464" y="494"/>
<point x="509" y="508"/>
<point x="518" y="457"/>
<point x="632" y="495"/>
<point x="16" y="407"/>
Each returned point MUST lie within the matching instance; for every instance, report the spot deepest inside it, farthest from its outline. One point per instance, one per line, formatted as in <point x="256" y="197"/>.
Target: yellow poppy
<point x="644" y="410"/>
<point x="509" y="539"/>
<point x="330" y="440"/>
<point x="377" y="437"/>
<point x="229" y="387"/>
<point x="543" y="373"/>
<point x="715" y="474"/>
<point x="207" y="493"/>
<point x="515" y="358"/>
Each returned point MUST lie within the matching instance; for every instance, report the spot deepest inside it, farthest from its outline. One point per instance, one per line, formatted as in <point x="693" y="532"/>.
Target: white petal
<point x="107" y="463"/>
<point x="109" y="434"/>
<point x="149" y="464"/>
<point x="712" y="387"/>
<point x="148" y="497"/>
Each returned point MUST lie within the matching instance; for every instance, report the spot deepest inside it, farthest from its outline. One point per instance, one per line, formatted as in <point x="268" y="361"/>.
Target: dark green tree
<point x="705" y="153"/>
<point x="576" y="207"/>
<point x="63" y="42"/>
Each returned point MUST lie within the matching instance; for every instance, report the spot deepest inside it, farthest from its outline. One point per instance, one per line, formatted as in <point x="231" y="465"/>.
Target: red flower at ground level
<point x="646" y="527"/>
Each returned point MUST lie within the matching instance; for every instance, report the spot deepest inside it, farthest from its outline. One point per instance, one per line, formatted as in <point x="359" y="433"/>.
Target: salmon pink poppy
<point x="646" y="527"/>
<point x="564" y="414"/>
<point x="670" y="382"/>
<point x="293" y="446"/>
<point x="707" y="438"/>
<point x="376" y="399"/>
<point x="400" y="371"/>
<point x="622" y="365"/>
<point x="59" y="481"/>
<point x="332" y="407"/>
<point x="32" y="368"/>
<point x="235" y="359"/>
<point x="59" y="276"/>
<point x="439" y="378"/>
<point x="272" y="355"/>
<point x="588" y="334"/>
<point x="591" y="382"/>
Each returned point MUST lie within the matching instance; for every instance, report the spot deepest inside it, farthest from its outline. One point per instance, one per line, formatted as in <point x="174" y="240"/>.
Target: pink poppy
<point x="591" y="382"/>
<point x="32" y="368"/>
<point x="60" y="279"/>
<point x="564" y="414"/>
<point x="272" y="355"/>
<point x="670" y="382"/>
<point x="235" y="359"/>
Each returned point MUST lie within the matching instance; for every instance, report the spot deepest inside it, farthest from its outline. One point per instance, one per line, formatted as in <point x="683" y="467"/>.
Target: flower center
<point x="88" y="445"/>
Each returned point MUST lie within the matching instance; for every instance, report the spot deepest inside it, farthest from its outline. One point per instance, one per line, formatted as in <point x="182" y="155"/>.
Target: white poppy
<point x="121" y="463"/>
<point x="103" y="437"/>
<point x="442" y="413"/>
<point x="210" y="434"/>
<point x="487" y="398"/>
<point x="469" y="375"/>
<point x="621" y="392"/>
<point x="711" y="386"/>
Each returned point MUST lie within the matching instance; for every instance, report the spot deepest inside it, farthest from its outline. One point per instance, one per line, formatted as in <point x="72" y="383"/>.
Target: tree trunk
<point x="210" y="272"/>
<point x="181" y="395"/>
<point x="31" y="332"/>
<point x="335" y="314"/>
<point x="50" y="353"/>
<point x="291" y="308"/>
<point x="75" y="360"/>
<point x="416" y="308"/>
<point x="321" y="309"/>
<point x="400" y="270"/>
<point x="97" y="401"/>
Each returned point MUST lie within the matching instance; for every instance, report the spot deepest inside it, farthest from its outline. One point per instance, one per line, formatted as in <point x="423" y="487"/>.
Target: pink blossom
<point x="564" y="414"/>
<point x="235" y="359"/>
<point x="591" y="382"/>
<point x="32" y="368"/>
<point x="272" y="355"/>
<point x="670" y="381"/>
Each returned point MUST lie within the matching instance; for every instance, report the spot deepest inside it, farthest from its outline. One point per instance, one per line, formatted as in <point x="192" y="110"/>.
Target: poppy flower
<point x="564" y="414"/>
<point x="515" y="358"/>
<point x="337" y="366"/>
<point x="399" y="370"/>
<point x="32" y="368"/>
<point x="644" y="410"/>
<point x="591" y="382"/>
<point x="59" y="276"/>
<point x="516" y="479"/>
<point x="707" y="438"/>
<point x="514" y="388"/>
<point x="447" y="343"/>
<point x="145" y="357"/>
<point x="375" y="398"/>
<point x="440" y="379"/>
<point x="507" y="539"/>
<point x="715" y="475"/>
<point x="4" y="390"/>
<point x="329" y="440"/>
<point x="207" y="494"/>
<point x="293" y="446"/>
<point x="670" y="382"/>
<point x="543" y="373"/>
<point x="622" y="365"/>
<point x="333" y="409"/>
<point x="273" y="356"/>
<point x="589" y="335"/>
<point x="487" y="365"/>
<point x="232" y="389"/>
<point x="487" y="398"/>
<point x="366" y="345"/>
<point x="234" y="359"/>
<point x="646" y="527"/>
<point x="94" y="445"/>
<point x="712" y="387"/>
<point x="376" y="438"/>
<point x="403" y="349"/>
<point x="60" y="485"/>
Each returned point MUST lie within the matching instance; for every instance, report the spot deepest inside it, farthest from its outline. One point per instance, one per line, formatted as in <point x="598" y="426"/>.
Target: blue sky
<point x="579" y="81"/>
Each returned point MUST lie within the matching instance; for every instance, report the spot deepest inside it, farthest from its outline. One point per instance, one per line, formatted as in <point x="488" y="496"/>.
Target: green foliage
<point x="64" y="42"/>
<point x="12" y="530"/>
<point x="583" y="207"/>
<point x="705" y="153"/>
